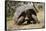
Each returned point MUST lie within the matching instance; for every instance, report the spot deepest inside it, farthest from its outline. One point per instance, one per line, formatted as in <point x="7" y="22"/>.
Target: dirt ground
<point x="11" y="25"/>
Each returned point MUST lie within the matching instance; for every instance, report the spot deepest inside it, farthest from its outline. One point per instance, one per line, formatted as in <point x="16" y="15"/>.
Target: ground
<point x="11" y="24"/>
